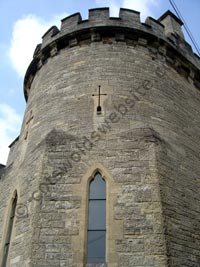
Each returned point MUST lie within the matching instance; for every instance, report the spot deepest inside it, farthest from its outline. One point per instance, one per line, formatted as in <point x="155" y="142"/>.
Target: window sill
<point x="96" y="265"/>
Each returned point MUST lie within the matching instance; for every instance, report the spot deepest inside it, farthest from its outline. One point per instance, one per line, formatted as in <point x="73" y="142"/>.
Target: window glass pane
<point x="96" y="247"/>
<point x="97" y="215"/>
<point x="98" y="187"/>
<point x="96" y="243"/>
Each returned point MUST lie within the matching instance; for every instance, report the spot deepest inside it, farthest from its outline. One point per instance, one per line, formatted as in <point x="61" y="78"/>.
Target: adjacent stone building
<point x="106" y="170"/>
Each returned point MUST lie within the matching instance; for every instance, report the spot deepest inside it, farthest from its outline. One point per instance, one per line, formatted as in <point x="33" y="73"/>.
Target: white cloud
<point x="10" y="123"/>
<point x="146" y="7"/>
<point x="27" y="33"/>
<point x="113" y="4"/>
<point x="114" y="8"/>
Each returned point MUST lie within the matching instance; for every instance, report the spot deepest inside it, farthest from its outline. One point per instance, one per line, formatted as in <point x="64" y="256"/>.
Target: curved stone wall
<point x="144" y="143"/>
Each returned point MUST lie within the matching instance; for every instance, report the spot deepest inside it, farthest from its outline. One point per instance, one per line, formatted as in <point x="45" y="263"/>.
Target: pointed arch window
<point x="96" y="233"/>
<point x="9" y="231"/>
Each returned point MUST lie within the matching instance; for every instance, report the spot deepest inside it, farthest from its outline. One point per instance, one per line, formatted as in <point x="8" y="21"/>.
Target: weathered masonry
<point x="106" y="169"/>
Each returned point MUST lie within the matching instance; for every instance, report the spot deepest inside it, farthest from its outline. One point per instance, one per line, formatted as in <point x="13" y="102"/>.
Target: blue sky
<point x="22" y="23"/>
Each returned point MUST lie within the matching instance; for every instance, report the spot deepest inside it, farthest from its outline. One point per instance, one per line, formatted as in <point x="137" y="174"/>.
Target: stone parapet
<point x="125" y="28"/>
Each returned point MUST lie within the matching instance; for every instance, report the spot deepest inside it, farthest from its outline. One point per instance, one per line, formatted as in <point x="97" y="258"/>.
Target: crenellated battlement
<point x="164" y="34"/>
<point x="98" y="17"/>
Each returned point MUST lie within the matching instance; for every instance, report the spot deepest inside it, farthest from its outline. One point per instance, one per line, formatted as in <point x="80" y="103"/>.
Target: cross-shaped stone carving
<point x="99" y="97"/>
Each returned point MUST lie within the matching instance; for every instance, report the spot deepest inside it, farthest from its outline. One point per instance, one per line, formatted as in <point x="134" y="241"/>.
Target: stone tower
<point x="106" y="170"/>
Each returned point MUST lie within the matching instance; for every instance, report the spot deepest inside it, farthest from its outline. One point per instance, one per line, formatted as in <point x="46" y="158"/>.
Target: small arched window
<point x="96" y="233"/>
<point x="9" y="231"/>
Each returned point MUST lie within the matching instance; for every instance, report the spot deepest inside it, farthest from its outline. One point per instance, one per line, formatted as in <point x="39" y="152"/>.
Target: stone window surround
<point x="113" y="227"/>
<point x="6" y="225"/>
